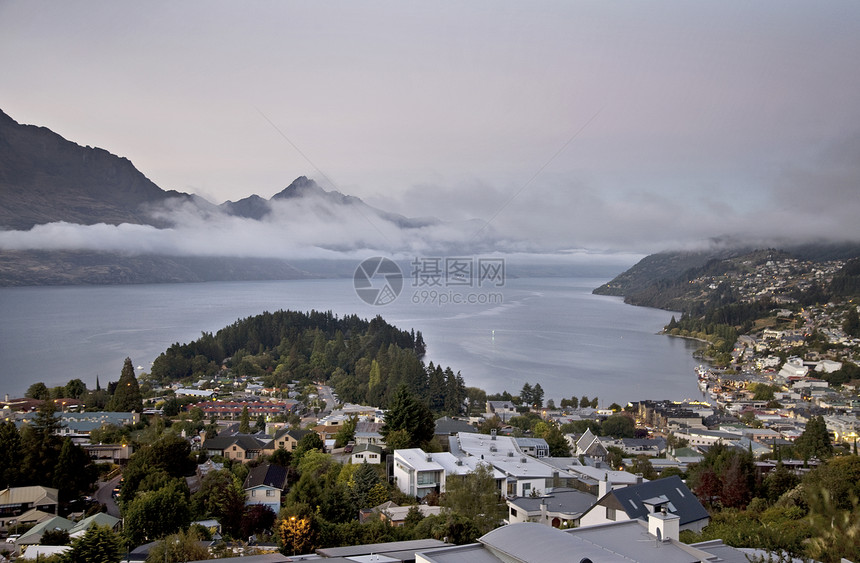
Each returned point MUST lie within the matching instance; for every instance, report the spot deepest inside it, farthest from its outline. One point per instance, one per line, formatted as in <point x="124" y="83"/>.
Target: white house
<point x="670" y="496"/>
<point x="366" y="453"/>
<point x="418" y="473"/>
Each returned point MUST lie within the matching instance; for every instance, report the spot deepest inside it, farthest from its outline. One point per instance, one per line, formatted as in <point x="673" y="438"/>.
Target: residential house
<point x="395" y="514"/>
<point x="265" y="485"/>
<point x="242" y="447"/>
<point x="559" y="508"/>
<point x="524" y="475"/>
<point x="418" y="473"/>
<point x="535" y="447"/>
<point x="505" y="410"/>
<point x="599" y="480"/>
<point x="287" y="439"/>
<point x="651" y="447"/>
<point x="112" y="453"/>
<point x="369" y="433"/>
<point x="366" y="453"/>
<point x="447" y="426"/>
<point x="653" y="541"/>
<point x="30" y="517"/>
<point x="590" y="446"/>
<point x="98" y="519"/>
<point x="669" y="495"/>
<point x="15" y="501"/>
<point x="33" y="536"/>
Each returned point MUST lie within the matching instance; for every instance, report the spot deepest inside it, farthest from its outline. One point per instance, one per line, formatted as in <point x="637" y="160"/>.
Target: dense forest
<point x="365" y="361"/>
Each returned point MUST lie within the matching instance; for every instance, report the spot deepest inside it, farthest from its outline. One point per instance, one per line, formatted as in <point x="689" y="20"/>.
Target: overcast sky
<point x="632" y="126"/>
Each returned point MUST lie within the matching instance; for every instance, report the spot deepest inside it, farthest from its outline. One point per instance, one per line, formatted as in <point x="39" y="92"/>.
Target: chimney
<point x="492" y="434"/>
<point x="665" y="526"/>
<point x="639" y="478"/>
<point x="604" y="486"/>
<point x="543" y="516"/>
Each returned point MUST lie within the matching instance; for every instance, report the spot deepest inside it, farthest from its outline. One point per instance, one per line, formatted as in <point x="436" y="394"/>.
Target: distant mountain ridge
<point x="45" y="178"/>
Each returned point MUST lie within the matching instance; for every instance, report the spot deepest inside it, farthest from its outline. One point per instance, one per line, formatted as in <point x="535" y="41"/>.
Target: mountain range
<point x="46" y="179"/>
<point x="62" y="193"/>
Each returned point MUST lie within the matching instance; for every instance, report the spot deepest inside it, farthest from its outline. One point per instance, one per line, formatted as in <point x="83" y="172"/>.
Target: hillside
<point x="99" y="268"/>
<point x="45" y="178"/>
<point x="688" y="281"/>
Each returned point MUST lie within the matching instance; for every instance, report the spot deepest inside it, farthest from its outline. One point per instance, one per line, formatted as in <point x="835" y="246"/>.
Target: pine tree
<point x="10" y="448"/>
<point x="411" y="415"/>
<point x="41" y="444"/>
<point x="126" y="397"/>
<point x="98" y="545"/>
<point x="526" y="394"/>
<point x="245" y="421"/>
<point x="537" y="396"/>
<point x="815" y="440"/>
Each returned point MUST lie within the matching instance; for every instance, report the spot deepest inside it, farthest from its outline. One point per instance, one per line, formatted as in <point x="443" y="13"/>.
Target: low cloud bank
<point x="812" y="202"/>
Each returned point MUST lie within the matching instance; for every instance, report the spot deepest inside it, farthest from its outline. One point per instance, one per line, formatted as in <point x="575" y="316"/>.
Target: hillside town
<point x="593" y="493"/>
<point x="256" y="455"/>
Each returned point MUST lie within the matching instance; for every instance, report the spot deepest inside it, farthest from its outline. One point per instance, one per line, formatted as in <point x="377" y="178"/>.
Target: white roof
<point x="481" y="444"/>
<point x="505" y="455"/>
<point x="616" y="477"/>
<point x="417" y="459"/>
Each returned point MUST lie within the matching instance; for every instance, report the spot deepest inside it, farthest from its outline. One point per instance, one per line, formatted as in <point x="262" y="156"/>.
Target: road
<point x="326" y="395"/>
<point x="104" y="495"/>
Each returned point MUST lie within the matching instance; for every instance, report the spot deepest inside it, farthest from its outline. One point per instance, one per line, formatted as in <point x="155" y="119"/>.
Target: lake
<point x="551" y="331"/>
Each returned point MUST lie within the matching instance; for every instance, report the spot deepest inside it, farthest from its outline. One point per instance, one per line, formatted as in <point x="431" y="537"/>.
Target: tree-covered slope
<point x="365" y="361"/>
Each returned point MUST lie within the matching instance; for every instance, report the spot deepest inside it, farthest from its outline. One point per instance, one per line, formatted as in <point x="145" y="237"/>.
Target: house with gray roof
<point x="652" y="541"/>
<point x="242" y="447"/>
<point x="265" y="484"/>
<point x="589" y="445"/>
<point x="637" y="502"/>
<point x="559" y="508"/>
<point x="447" y="426"/>
<point x="535" y="447"/>
<point x="366" y="453"/>
<point x="367" y="432"/>
<point x="505" y="410"/>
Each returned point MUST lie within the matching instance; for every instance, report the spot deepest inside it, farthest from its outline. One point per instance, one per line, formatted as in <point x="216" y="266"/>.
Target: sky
<point x="627" y="127"/>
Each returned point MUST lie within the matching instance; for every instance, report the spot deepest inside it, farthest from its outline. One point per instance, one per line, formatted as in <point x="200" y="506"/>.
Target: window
<point x="270" y="493"/>
<point x="526" y="488"/>
<point x="253" y="493"/>
<point x="610" y="514"/>
<point x="513" y="512"/>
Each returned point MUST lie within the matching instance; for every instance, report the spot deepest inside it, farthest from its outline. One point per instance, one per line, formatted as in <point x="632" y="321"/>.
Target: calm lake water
<point x="551" y="331"/>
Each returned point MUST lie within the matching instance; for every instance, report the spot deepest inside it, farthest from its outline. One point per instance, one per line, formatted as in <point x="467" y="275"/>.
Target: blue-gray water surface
<point x="551" y="331"/>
